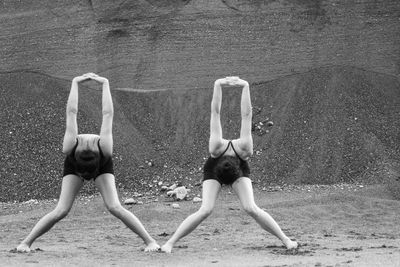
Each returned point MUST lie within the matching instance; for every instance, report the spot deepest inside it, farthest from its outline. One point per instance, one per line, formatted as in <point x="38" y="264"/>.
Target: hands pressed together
<point x="90" y="76"/>
<point x="231" y="81"/>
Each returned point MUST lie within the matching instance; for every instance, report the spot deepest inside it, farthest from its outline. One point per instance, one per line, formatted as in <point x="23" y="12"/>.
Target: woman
<point x="88" y="156"/>
<point x="228" y="165"/>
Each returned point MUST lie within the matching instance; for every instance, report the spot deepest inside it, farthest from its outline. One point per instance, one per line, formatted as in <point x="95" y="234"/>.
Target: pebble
<point x="164" y="188"/>
<point x="175" y="206"/>
<point x="130" y="201"/>
<point x="196" y="199"/>
<point x="172" y="187"/>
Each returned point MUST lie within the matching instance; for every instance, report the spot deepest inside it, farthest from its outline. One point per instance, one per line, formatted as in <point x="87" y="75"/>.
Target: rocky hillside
<point x="331" y="125"/>
<point x="325" y="73"/>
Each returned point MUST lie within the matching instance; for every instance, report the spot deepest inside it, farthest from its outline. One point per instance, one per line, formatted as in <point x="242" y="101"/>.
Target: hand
<point x="236" y="81"/>
<point x="222" y="81"/>
<point x="97" y="78"/>
<point x="81" y="78"/>
<point x="232" y="81"/>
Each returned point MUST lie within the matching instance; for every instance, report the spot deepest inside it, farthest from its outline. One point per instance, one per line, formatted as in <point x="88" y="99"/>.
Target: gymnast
<point x="88" y="156"/>
<point x="228" y="165"/>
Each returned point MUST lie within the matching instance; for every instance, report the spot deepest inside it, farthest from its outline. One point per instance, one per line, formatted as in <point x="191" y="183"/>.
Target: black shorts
<point x="210" y="171"/>
<point x="106" y="166"/>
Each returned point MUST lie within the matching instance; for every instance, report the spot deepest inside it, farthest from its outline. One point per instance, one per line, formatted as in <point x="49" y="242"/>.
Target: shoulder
<point x="220" y="149"/>
<point x="243" y="150"/>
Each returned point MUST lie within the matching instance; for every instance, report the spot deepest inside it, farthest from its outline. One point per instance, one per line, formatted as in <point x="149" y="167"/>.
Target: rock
<point x="172" y="187"/>
<point x="175" y="206"/>
<point x="196" y="199"/>
<point x="164" y="188"/>
<point x="178" y="193"/>
<point x="130" y="201"/>
<point x="181" y="192"/>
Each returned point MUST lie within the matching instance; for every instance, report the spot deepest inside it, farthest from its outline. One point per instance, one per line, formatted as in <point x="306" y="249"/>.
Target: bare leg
<point x="244" y="190"/>
<point x="211" y="189"/>
<point x="71" y="185"/>
<point x="106" y="185"/>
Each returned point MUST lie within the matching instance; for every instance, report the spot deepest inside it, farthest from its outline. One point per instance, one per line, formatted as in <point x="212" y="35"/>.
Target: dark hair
<point x="87" y="162"/>
<point x="228" y="168"/>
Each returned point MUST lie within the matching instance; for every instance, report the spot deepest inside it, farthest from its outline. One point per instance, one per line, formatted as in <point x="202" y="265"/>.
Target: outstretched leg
<point x="71" y="185"/>
<point x="244" y="189"/>
<point x="211" y="189"/>
<point x="106" y="185"/>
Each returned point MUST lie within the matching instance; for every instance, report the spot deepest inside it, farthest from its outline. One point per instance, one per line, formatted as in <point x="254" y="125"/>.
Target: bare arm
<point x="71" y="129"/>
<point x="246" y="140"/>
<point x="106" y="140"/>
<point x="216" y="140"/>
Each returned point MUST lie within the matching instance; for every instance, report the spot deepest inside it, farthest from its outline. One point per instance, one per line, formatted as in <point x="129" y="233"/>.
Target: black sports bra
<point x="226" y="149"/>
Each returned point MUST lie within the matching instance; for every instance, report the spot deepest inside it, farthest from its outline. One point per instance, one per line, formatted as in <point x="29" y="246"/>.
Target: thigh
<point x="106" y="185"/>
<point x="210" y="193"/>
<point x="244" y="190"/>
<point x="71" y="184"/>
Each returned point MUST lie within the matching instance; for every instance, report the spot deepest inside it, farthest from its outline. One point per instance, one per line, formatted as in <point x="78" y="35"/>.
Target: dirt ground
<point x="336" y="226"/>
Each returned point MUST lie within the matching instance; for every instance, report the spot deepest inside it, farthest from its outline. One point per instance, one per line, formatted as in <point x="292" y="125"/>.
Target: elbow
<point x="247" y="114"/>
<point x="72" y="110"/>
<point x="215" y="111"/>
<point x="108" y="113"/>
<point x="215" y="108"/>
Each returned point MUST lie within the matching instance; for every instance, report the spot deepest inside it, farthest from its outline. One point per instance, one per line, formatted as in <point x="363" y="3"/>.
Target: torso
<point x="88" y="142"/>
<point x="231" y="150"/>
<point x="91" y="142"/>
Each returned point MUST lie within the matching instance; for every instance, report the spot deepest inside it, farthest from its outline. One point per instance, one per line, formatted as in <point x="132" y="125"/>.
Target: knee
<point x="115" y="209"/>
<point x="204" y="212"/>
<point x="60" y="213"/>
<point x="251" y="209"/>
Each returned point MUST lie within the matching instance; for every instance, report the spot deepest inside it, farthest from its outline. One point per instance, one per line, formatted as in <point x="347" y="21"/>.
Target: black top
<point x="71" y="165"/>
<point x="212" y="169"/>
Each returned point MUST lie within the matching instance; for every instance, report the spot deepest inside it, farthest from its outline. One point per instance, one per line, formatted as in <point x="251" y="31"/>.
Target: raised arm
<point x="106" y="140"/>
<point x="71" y="129"/>
<point x="246" y="140"/>
<point x="216" y="140"/>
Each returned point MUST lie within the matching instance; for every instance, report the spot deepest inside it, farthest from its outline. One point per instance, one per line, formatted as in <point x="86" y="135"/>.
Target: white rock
<point x="172" y="187"/>
<point x="197" y="199"/>
<point x="175" y="206"/>
<point x="181" y="192"/>
<point x="130" y="201"/>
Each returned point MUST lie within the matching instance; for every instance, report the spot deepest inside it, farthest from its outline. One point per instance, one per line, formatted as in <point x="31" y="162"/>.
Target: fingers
<point x="80" y="78"/>
<point x="232" y="81"/>
<point x="91" y="76"/>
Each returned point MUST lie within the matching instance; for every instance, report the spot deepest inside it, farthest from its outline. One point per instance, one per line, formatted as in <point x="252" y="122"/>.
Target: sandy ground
<point x="336" y="226"/>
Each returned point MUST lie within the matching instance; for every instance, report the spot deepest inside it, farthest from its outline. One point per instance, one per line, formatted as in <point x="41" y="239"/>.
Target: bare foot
<point x="291" y="244"/>
<point x="23" y="248"/>
<point x="167" y="248"/>
<point x="153" y="246"/>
